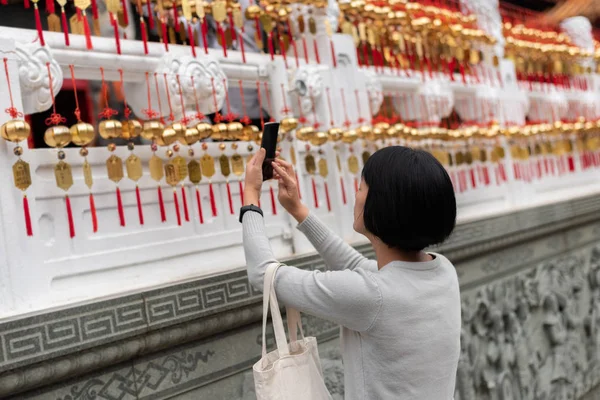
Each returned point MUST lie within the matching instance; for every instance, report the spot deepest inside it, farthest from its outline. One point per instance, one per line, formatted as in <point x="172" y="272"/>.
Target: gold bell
<point x="349" y="136"/>
<point x="364" y="131"/>
<point x="335" y="134"/>
<point x="110" y="129"/>
<point x="234" y="130"/>
<point x="204" y="130"/>
<point x="190" y="137"/>
<point x="249" y="133"/>
<point x="288" y="125"/>
<point x="57" y="136"/>
<point x="305" y="133"/>
<point x="15" y="130"/>
<point x="219" y="132"/>
<point x="319" y="139"/>
<point x="167" y="137"/>
<point x="82" y="133"/>
<point x="152" y="130"/>
<point x="131" y="129"/>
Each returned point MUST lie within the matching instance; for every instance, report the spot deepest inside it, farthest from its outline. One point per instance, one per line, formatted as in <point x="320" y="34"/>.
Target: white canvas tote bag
<point x="292" y="372"/>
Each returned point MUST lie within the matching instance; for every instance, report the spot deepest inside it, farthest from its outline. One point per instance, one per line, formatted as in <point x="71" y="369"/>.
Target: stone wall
<point x="529" y="284"/>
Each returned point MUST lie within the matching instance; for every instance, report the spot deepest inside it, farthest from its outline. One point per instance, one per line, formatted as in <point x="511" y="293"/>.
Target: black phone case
<point x="269" y="143"/>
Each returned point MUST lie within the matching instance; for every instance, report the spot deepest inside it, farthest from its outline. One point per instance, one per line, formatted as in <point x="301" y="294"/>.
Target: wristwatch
<point x="250" y="207"/>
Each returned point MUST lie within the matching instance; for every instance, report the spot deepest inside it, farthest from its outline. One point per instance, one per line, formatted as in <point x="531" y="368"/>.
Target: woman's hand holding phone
<point x="288" y="194"/>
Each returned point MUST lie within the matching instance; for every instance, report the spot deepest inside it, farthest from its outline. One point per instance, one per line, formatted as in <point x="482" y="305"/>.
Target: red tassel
<point x="38" y="24"/>
<point x="144" y="34"/>
<point x="27" y="215"/>
<point x="283" y="51"/>
<point x="241" y="192"/>
<point x="115" y="25"/>
<point x="571" y="163"/>
<point x="232" y="27"/>
<point x="176" y="206"/>
<point x="150" y="16"/>
<point x="120" y="208"/>
<point x="270" y="44"/>
<point x="186" y="213"/>
<point x="221" y="33"/>
<point x="192" y="43"/>
<point x="305" y="49"/>
<point x="241" y="41"/>
<point x="273" y="202"/>
<point x="139" y="205"/>
<point x="204" y="30"/>
<point x="486" y="175"/>
<point x="176" y="17"/>
<point x="229" y="199"/>
<point x="333" y="57"/>
<point x="65" y="27"/>
<point x="93" y="212"/>
<point x="315" y="196"/>
<point x="163" y="25"/>
<point x="327" y="196"/>
<point x="27" y="4"/>
<point x="316" y="48"/>
<point x="87" y="32"/>
<point x="473" y="178"/>
<point x="95" y="9"/>
<point x="50" y="6"/>
<point x="70" y="217"/>
<point x="125" y="12"/>
<point x="199" y="204"/>
<point x="213" y="204"/>
<point x="161" y="203"/>
<point x="343" y="190"/>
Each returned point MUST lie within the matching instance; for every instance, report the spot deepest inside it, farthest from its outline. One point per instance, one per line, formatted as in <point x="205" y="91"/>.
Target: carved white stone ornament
<point x="579" y="30"/>
<point x="34" y="79"/>
<point x="552" y="106"/>
<point x="374" y="90"/>
<point x="307" y="83"/>
<point x="432" y="101"/>
<point x="488" y="20"/>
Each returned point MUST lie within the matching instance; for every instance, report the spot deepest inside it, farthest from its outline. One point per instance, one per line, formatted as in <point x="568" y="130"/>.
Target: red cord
<point x="186" y="213"/>
<point x="273" y="202"/>
<point x="176" y="202"/>
<point x="218" y="117"/>
<point x="65" y="27"/>
<point x="171" y="114"/>
<point x="27" y="215"/>
<point x="86" y="30"/>
<point x="270" y="44"/>
<point x="199" y="116"/>
<point x="343" y="189"/>
<point x="245" y="119"/>
<point x="260" y="109"/>
<point x="12" y="110"/>
<point x="150" y="16"/>
<point x="144" y="34"/>
<point x="185" y="119"/>
<point x="333" y="56"/>
<point x="204" y="30"/>
<point x="115" y="25"/>
<point x="289" y="27"/>
<point x="162" y="120"/>
<point x="176" y="17"/>
<point x="230" y="116"/>
<point x="199" y="204"/>
<point x="70" y="216"/>
<point x="316" y="48"/>
<point x="281" y="49"/>
<point x="331" y="119"/>
<point x="241" y="185"/>
<point x="327" y="196"/>
<point x="315" y="196"/>
<point x="241" y="42"/>
<point x="229" y="199"/>
<point x="120" y="208"/>
<point x="139" y="204"/>
<point x="213" y="204"/>
<point x="161" y="203"/>
<point x="163" y="26"/>
<point x="285" y="110"/>
<point x="305" y="48"/>
<point x="125" y="12"/>
<point x="77" y="112"/>
<point x="50" y="6"/>
<point x="221" y="33"/>
<point x="268" y="95"/>
<point x="26" y="4"/>
<point x="94" y="9"/>
<point x="192" y="42"/>
<point x="355" y="184"/>
<point x="93" y="212"/>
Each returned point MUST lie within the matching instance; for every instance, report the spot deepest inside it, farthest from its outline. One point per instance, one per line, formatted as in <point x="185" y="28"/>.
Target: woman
<point x="400" y="314"/>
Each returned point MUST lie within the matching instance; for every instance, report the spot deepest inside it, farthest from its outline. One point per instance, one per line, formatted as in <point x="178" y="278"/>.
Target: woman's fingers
<point x="286" y="165"/>
<point x="283" y="174"/>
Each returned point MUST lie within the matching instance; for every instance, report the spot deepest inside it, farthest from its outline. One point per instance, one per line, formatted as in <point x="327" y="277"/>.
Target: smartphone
<point x="269" y="143"/>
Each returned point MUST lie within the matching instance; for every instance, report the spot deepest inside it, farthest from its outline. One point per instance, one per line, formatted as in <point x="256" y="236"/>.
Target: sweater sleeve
<point x="337" y="254"/>
<point x="350" y="298"/>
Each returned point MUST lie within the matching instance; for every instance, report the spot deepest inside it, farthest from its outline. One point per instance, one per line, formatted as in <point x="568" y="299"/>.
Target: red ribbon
<point x="342" y="187"/>
<point x="213" y="204"/>
<point x="38" y="24"/>
<point x="327" y="196"/>
<point x="315" y="196"/>
<point x="27" y="215"/>
<point x="139" y="205"/>
<point x="161" y="203"/>
<point x="273" y="202"/>
<point x="65" y="27"/>
<point x="93" y="212"/>
<point x="176" y="206"/>
<point x="70" y="217"/>
<point x="120" y="208"/>
<point x="144" y="34"/>
<point x="186" y="213"/>
<point x="199" y="204"/>
<point x="229" y="199"/>
<point x="241" y="192"/>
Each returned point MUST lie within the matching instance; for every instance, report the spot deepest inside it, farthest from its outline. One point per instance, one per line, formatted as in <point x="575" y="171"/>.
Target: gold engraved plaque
<point x="224" y="163"/>
<point x="172" y="177"/>
<point x="54" y="23"/>
<point x="309" y="162"/>
<point x="181" y="165"/>
<point x="312" y="25"/>
<point x="114" y="168"/>
<point x="238" y="19"/>
<point x="134" y="167"/>
<point x="267" y="22"/>
<point x="63" y="175"/>
<point x="194" y="172"/>
<point x="113" y="6"/>
<point x="365" y="156"/>
<point x="21" y="175"/>
<point x="301" y="26"/>
<point x="353" y="164"/>
<point x="468" y="157"/>
<point x="323" y="168"/>
<point x="208" y="165"/>
<point x="82" y="4"/>
<point x="200" y="9"/>
<point x="156" y="168"/>
<point x="76" y="25"/>
<point x="475" y="153"/>
<point x="237" y="164"/>
<point x="186" y="9"/>
<point x="219" y="10"/>
<point x="87" y="174"/>
<point x="459" y="158"/>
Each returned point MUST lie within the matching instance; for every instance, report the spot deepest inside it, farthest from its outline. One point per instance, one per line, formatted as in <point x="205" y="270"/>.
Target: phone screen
<point x="269" y="143"/>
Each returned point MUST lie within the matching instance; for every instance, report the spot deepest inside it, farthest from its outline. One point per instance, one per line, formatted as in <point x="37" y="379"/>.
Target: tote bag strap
<point x="294" y="323"/>
<point x="269" y="296"/>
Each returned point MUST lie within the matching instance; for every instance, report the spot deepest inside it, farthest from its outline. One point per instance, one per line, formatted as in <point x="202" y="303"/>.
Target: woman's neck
<point x="386" y="254"/>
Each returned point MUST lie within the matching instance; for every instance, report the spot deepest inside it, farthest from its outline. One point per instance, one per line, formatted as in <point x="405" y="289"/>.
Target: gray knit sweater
<point x="400" y="333"/>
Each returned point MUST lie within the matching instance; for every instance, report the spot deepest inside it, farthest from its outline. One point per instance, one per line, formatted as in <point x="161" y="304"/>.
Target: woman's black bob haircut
<point x="410" y="204"/>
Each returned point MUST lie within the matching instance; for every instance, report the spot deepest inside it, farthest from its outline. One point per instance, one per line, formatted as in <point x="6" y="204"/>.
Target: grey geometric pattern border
<point x="31" y="339"/>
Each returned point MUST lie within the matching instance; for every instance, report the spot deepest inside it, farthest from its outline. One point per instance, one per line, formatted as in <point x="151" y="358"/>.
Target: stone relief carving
<point x="307" y="84"/>
<point x="374" y="90"/>
<point x="209" y="87"/>
<point x="33" y="77"/>
<point x="579" y="30"/>
<point x="533" y="336"/>
<point x="432" y="101"/>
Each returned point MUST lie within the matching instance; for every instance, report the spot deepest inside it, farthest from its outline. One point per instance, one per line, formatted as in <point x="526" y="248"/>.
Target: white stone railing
<point x="51" y="269"/>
